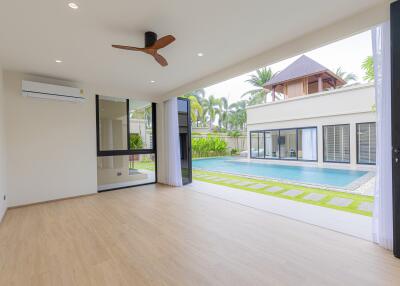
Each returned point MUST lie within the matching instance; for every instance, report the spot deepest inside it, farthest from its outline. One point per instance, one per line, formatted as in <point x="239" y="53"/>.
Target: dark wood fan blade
<point x="160" y="59"/>
<point x="163" y="42"/>
<point x="128" y="48"/>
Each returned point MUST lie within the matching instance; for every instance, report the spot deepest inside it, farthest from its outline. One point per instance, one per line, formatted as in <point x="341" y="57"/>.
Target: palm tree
<point x="196" y="110"/>
<point x="238" y="115"/>
<point x="347" y="77"/>
<point x="211" y="108"/>
<point x="223" y="113"/>
<point x="196" y="97"/>
<point x="368" y="67"/>
<point x="259" y="95"/>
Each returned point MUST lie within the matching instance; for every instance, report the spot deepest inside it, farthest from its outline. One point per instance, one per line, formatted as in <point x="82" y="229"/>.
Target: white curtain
<point x="383" y="219"/>
<point x="168" y="145"/>
<point x="309" y="144"/>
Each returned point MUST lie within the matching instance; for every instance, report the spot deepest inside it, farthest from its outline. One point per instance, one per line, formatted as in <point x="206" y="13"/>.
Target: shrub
<point x="135" y="141"/>
<point x="209" y="146"/>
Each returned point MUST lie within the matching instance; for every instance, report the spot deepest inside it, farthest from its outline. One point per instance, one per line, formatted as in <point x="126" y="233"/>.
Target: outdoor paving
<point x="366" y="207"/>
<point x="292" y="193"/>
<point x="340" y="202"/>
<point x="219" y="179"/>
<point x="257" y="186"/>
<point x="314" y="197"/>
<point x="274" y="189"/>
<point x="232" y="181"/>
<point x="243" y="184"/>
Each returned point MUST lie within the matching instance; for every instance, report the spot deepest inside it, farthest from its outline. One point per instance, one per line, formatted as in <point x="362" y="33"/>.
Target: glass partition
<point x="285" y="144"/>
<point x="288" y="144"/>
<point x="271" y="144"/>
<point x="113" y="124"/>
<point x="126" y="147"/>
<point x="307" y="144"/>
<point x="140" y="125"/>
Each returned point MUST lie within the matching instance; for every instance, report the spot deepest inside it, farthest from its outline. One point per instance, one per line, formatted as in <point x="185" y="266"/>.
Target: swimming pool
<point x="337" y="178"/>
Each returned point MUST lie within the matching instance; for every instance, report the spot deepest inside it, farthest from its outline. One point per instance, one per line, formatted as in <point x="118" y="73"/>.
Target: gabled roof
<point x="302" y="67"/>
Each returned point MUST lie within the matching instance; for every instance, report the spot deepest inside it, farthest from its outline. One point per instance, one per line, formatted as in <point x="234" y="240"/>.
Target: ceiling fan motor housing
<point x="149" y="39"/>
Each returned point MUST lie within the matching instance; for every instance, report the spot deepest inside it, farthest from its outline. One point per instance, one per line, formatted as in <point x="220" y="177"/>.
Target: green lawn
<point x="329" y="195"/>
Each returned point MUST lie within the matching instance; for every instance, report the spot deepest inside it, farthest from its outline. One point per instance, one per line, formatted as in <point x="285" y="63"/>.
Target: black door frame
<point x="128" y="151"/>
<point x="395" y="99"/>
<point x="189" y="138"/>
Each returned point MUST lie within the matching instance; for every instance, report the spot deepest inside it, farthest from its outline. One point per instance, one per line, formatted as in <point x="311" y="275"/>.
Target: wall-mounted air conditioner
<point x="50" y="91"/>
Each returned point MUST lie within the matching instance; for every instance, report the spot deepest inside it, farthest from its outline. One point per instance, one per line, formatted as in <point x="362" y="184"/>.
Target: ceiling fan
<point x="152" y="45"/>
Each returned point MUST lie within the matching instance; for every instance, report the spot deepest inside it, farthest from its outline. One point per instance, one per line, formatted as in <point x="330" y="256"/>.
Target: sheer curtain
<point x="168" y="145"/>
<point x="309" y="144"/>
<point x="383" y="219"/>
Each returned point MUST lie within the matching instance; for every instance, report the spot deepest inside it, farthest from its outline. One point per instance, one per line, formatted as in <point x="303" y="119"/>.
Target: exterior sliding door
<point x="185" y="139"/>
<point x="126" y="145"/>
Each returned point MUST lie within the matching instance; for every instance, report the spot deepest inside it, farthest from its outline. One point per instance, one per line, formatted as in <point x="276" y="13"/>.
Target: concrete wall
<point x="51" y="144"/>
<point x="3" y="159"/>
<point x="342" y="106"/>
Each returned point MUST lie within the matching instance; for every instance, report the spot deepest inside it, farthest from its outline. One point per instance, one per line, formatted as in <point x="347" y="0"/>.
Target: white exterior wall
<point x="342" y="106"/>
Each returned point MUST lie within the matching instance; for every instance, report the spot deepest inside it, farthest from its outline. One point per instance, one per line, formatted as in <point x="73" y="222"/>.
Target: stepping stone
<point x="243" y="184"/>
<point x="201" y="175"/>
<point x="210" y="177"/>
<point x="314" y="197"/>
<point x="257" y="186"/>
<point x="274" y="189"/>
<point x="340" y="202"/>
<point x="366" y="207"/>
<point x="232" y="181"/>
<point x="219" y="180"/>
<point x="292" y="193"/>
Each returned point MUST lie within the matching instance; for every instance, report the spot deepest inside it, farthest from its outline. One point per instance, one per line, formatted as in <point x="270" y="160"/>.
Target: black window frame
<point x="129" y="151"/>
<point x="279" y="145"/>
<point x="323" y="144"/>
<point x="357" y="138"/>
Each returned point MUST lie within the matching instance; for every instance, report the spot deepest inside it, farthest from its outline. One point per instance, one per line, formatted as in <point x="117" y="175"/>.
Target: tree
<point x="259" y="95"/>
<point x="223" y="113"/>
<point x="238" y="115"/>
<point x="368" y="67"/>
<point x="196" y="113"/>
<point x="196" y="110"/>
<point x="235" y="134"/>
<point x="211" y="108"/>
<point x="347" y="77"/>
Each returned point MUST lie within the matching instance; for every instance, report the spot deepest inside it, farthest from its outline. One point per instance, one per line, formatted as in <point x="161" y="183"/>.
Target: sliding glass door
<point x="126" y="145"/>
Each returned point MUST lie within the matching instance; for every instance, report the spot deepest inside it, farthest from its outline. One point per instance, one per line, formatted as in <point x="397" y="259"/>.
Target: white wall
<point x="3" y="159"/>
<point x="51" y="144"/>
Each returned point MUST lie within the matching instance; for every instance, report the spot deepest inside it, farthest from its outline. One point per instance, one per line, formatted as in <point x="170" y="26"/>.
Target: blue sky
<point x="348" y="54"/>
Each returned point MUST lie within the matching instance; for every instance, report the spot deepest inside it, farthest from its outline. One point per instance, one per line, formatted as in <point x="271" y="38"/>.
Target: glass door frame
<point x="128" y="151"/>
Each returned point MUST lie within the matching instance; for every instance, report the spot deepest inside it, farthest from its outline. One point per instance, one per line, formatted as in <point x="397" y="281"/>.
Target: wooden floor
<point x="157" y="235"/>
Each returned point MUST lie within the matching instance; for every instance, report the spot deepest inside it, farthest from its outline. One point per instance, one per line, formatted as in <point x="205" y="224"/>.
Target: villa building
<point x="318" y="121"/>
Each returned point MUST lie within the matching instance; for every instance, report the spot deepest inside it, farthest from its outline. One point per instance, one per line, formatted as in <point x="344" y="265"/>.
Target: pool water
<point x="309" y="175"/>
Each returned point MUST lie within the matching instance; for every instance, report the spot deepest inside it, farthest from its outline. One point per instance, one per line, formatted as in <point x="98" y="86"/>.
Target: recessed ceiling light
<point x="200" y="54"/>
<point x="152" y="81"/>
<point x="73" y="5"/>
<point x="58" y="61"/>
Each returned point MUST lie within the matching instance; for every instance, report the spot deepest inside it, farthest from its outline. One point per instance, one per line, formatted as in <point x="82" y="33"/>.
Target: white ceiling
<point x="33" y="34"/>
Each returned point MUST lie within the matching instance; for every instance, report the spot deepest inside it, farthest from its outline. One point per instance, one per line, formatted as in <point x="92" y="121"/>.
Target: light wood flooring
<point x="156" y="235"/>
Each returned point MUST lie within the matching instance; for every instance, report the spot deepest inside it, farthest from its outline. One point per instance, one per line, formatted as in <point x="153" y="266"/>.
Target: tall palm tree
<point x="224" y="112"/>
<point x="196" y="97"/>
<point x="196" y="110"/>
<point x="368" y="67"/>
<point x="238" y="115"/>
<point x="259" y="94"/>
<point x="211" y="108"/>
<point x="346" y="76"/>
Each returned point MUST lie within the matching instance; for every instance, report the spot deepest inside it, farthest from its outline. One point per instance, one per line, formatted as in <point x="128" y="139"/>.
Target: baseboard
<point x="51" y="201"/>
